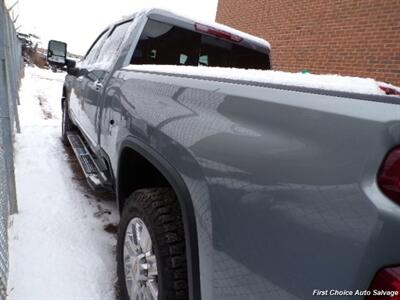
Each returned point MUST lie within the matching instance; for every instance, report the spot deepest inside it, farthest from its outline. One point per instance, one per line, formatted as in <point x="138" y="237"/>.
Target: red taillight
<point x="217" y="32"/>
<point x="389" y="175"/>
<point x="385" y="285"/>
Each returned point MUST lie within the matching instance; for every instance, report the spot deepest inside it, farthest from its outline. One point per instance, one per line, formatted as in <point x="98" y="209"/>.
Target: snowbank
<point x="325" y="82"/>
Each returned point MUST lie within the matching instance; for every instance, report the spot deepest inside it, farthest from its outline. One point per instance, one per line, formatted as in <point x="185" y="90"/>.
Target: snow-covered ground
<point x="58" y="246"/>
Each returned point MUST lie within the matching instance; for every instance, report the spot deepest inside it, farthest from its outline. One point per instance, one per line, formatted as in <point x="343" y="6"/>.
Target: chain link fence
<point x="11" y="72"/>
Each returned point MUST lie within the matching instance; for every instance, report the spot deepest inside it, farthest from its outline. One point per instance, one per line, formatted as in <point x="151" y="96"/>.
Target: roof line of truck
<point x="174" y="15"/>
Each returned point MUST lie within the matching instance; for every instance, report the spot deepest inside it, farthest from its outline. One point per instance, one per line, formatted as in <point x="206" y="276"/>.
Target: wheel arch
<point x="175" y="181"/>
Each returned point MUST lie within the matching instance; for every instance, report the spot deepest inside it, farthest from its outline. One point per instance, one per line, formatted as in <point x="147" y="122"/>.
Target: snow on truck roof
<point x="175" y="15"/>
<point x="324" y="82"/>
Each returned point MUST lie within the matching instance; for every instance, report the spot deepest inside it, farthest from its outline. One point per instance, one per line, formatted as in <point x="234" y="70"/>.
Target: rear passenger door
<point x="79" y="84"/>
<point x="159" y="43"/>
<point x="97" y="77"/>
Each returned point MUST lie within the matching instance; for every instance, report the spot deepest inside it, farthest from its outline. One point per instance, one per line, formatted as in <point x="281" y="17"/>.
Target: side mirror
<point x="57" y="53"/>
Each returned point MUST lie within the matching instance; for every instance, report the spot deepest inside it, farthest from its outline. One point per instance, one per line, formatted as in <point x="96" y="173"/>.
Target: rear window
<point x="165" y="44"/>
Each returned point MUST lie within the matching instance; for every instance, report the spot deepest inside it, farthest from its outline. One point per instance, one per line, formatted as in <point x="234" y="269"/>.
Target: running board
<point x="95" y="178"/>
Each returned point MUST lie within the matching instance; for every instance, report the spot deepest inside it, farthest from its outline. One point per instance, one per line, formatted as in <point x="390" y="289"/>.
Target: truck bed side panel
<point x="283" y="182"/>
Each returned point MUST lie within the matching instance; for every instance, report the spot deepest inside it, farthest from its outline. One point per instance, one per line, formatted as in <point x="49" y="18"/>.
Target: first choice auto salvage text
<point x="355" y="293"/>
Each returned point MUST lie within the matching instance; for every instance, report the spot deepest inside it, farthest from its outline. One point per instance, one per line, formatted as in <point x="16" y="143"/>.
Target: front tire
<point x="151" y="257"/>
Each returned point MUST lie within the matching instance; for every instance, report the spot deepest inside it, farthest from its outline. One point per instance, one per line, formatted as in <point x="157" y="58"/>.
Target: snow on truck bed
<point x="324" y="82"/>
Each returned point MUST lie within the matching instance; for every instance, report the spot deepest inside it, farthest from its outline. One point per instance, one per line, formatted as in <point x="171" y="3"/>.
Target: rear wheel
<point x="151" y="257"/>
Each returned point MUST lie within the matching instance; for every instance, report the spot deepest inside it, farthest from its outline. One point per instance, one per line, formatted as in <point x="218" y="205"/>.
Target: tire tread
<point x="162" y="208"/>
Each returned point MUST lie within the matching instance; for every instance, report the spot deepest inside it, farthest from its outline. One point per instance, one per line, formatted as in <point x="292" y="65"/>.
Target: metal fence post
<point x="11" y="91"/>
<point x="9" y="147"/>
<point x="10" y="75"/>
<point x="4" y="187"/>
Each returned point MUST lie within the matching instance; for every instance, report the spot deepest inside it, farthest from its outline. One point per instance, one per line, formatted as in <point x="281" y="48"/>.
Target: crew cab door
<point x="97" y="77"/>
<point x="80" y="87"/>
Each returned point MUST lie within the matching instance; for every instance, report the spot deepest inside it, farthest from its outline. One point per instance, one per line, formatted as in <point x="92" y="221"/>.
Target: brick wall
<point x="347" y="37"/>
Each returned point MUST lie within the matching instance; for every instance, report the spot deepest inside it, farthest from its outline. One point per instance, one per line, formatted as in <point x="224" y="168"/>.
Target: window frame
<point x="111" y="30"/>
<point x="101" y="35"/>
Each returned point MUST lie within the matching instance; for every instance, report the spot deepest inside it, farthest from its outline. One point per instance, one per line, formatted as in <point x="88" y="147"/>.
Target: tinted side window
<point x="113" y="43"/>
<point x="164" y="44"/>
<point x="95" y="48"/>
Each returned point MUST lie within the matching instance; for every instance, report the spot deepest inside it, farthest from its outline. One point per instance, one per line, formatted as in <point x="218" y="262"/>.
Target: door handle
<point x="98" y="85"/>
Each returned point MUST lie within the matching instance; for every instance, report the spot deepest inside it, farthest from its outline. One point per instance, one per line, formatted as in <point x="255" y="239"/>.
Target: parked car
<point x="230" y="188"/>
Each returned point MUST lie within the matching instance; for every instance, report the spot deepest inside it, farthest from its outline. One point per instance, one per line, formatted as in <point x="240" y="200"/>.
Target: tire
<point x="66" y="123"/>
<point x="159" y="210"/>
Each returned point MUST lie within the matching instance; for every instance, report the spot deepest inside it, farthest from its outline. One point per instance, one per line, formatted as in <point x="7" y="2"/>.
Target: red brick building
<point x="347" y="37"/>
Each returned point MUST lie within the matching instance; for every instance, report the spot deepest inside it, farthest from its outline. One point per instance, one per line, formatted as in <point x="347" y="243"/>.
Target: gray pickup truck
<point x="229" y="188"/>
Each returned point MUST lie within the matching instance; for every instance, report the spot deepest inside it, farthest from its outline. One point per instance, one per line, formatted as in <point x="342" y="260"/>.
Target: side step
<point x="94" y="176"/>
